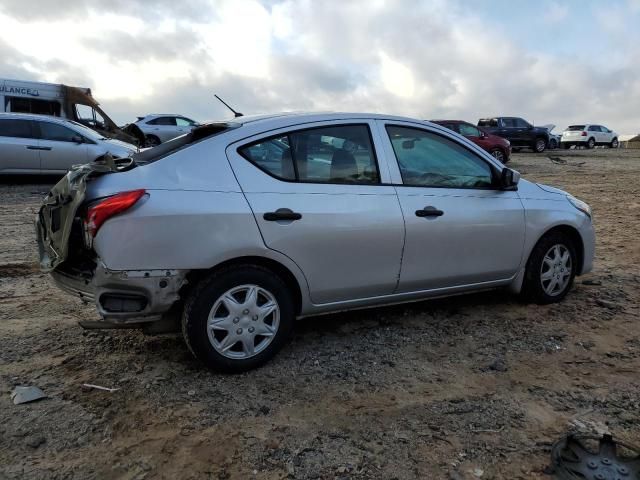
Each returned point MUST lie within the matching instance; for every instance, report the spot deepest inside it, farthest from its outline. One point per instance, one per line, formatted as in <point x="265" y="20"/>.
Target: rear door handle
<point x="429" y="212"/>
<point x="33" y="147"/>
<point x="282" y="214"/>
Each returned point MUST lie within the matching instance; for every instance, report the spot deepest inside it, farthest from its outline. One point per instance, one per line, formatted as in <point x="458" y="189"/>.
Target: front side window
<point x="89" y="117"/>
<point x="469" y="130"/>
<point x="520" y="123"/>
<point x="184" y="122"/>
<point x="57" y="133"/>
<point x="15" y="128"/>
<point x="340" y="154"/>
<point x="430" y="160"/>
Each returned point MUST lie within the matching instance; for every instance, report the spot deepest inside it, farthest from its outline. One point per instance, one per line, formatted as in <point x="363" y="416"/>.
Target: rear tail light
<point x="584" y="134"/>
<point x="100" y="212"/>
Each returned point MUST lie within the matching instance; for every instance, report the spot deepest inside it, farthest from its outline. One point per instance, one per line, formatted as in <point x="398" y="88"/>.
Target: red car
<point x="499" y="147"/>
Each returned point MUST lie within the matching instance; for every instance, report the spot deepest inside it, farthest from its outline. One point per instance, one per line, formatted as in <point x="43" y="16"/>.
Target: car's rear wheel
<point x="614" y="143"/>
<point x="499" y="155"/>
<point x="152" y="141"/>
<point x="237" y="319"/>
<point x="550" y="269"/>
<point x="591" y="143"/>
<point x="539" y="145"/>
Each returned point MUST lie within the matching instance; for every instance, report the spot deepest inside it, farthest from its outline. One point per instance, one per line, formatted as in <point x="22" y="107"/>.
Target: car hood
<point x="549" y="126"/>
<point x="112" y="144"/>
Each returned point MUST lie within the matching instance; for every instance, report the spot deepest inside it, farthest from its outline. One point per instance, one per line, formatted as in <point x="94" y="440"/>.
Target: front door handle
<point x="281" y="214"/>
<point x="33" y="147"/>
<point x="429" y="212"/>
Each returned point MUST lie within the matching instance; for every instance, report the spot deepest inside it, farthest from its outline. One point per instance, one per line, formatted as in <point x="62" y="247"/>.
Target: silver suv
<point x="159" y="128"/>
<point x="41" y="144"/>
<point x="241" y="227"/>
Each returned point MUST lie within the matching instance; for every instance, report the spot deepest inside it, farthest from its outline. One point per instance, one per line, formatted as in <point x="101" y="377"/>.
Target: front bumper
<point x="124" y="296"/>
<point x="588" y="235"/>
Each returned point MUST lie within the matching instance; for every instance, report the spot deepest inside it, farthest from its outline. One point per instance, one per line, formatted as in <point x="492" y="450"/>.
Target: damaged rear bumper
<point x="124" y="297"/>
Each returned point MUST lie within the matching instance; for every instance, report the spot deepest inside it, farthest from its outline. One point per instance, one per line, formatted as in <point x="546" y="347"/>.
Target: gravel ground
<point x="478" y="386"/>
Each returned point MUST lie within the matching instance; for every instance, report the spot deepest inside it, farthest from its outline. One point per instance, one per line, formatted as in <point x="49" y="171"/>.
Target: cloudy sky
<point x="549" y="61"/>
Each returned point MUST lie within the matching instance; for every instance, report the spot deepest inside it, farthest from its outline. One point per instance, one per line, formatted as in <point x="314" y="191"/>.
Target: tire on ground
<point x="532" y="288"/>
<point x="202" y="299"/>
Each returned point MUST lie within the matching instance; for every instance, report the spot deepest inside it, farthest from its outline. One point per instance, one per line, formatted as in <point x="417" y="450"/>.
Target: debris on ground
<point x="26" y="395"/>
<point x="89" y="386"/>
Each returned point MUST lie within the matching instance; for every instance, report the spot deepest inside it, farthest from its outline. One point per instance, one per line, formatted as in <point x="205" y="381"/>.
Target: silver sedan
<point x="42" y="144"/>
<point x="241" y="227"/>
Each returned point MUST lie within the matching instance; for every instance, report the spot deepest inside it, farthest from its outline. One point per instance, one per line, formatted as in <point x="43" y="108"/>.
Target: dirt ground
<point x="472" y="387"/>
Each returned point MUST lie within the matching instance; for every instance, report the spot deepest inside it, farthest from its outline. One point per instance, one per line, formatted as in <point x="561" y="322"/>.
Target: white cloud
<point x="427" y="59"/>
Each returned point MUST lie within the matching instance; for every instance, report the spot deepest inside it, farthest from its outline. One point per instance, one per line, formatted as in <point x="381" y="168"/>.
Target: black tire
<point x="532" y="287"/>
<point x="152" y="141"/>
<point x="203" y="298"/>
<point x="591" y="143"/>
<point x="540" y="145"/>
<point x="499" y="155"/>
<point x="553" y="144"/>
<point x="614" y="143"/>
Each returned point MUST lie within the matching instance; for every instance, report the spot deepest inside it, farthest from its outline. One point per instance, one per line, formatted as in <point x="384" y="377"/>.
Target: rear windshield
<point x="575" y="127"/>
<point x="488" y="122"/>
<point x="167" y="148"/>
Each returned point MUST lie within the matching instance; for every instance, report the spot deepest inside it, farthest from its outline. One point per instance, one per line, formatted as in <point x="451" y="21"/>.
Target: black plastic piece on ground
<point x="573" y="458"/>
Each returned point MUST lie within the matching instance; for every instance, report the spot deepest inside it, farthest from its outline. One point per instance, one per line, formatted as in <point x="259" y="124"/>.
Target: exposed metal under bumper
<point x="125" y="298"/>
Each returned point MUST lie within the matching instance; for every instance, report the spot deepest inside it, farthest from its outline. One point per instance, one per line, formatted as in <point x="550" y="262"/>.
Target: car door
<point x="60" y="147"/>
<point x="318" y="198"/>
<point x="18" y="146"/>
<point x="604" y="136"/>
<point x="164" y="128"/>
<point x="461" y="229"/>
<point x="523" y="132"/>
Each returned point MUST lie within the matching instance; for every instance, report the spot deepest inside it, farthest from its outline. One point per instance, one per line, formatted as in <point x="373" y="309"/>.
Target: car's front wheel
<point x="539" y="145"/>
<point x="550" y="269"/>
<point x="237" y="319"/>
<point x="499" y="155"/>
<point x="614" y="143"/>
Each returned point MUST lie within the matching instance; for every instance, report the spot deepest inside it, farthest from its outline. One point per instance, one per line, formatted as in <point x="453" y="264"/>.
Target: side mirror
<point x="77" y="139"/>
<point x="509" y="179"/>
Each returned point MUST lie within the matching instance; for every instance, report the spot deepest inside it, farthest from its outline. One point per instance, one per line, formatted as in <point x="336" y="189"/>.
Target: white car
<point x="42" y="144"/>
<point x="588" y="136"/>
<point x="159" y="128"/>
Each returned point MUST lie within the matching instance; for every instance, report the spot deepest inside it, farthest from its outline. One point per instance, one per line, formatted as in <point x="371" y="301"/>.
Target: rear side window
<point x="575" y="128"/>
<point x="339" y="154"/>
<point x="15" y="128"/>
<point x="594" y="128"/>
<point x="57" y="133"/>
<point x="488" y="122"/>
<point x="163" y="121"/>
<point x="32" y="105"/>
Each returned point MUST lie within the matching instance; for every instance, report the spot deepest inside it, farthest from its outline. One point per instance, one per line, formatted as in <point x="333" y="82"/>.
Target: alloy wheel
<point x="555" y="272"/>
<point x="540" y="145"/>
<point x="498" y="155"/>
<point x="243" y="321"/>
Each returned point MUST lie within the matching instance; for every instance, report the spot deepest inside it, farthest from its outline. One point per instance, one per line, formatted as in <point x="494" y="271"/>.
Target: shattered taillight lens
<point x="100" y="212"/>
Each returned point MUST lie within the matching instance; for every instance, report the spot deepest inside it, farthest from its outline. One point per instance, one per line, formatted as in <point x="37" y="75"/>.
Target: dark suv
<point x="519" y="132"/>
<point x="496" y="146"/>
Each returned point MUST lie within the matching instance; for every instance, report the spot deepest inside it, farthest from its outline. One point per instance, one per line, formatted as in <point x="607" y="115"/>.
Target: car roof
<point x="33" y="116"/>
<point x="450" y="121"/>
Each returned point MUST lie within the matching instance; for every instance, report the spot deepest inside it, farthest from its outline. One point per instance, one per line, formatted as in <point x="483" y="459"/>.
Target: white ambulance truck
<point x="62" y="101"/>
